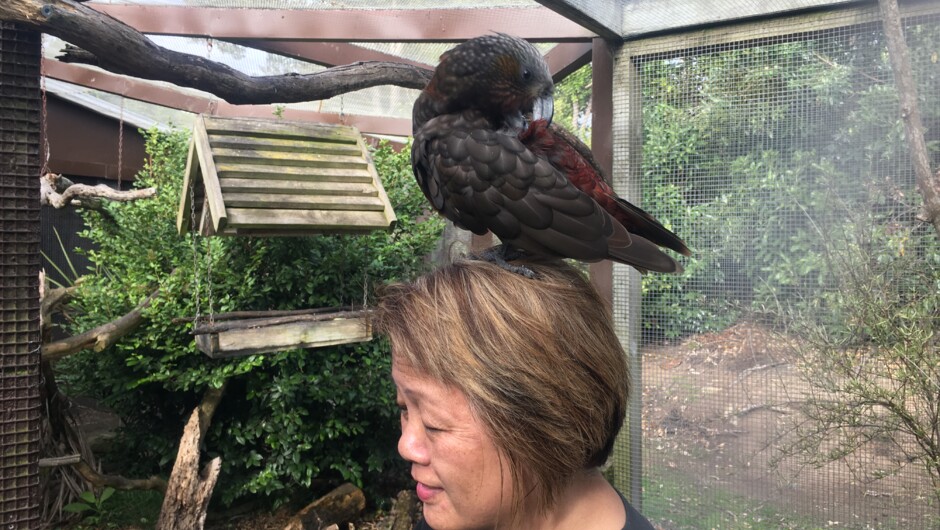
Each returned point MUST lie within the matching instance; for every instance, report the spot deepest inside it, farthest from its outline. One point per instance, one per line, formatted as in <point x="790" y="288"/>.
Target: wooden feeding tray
<point x="247" y="333"/>
<point x="271" y="177"/>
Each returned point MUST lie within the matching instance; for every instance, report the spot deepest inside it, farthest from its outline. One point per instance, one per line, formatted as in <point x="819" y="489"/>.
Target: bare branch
<point x="100" y="337"/>
<point x="59" y="192"/>
<point x="116" y="481"/>
<point x="122" y="49"/>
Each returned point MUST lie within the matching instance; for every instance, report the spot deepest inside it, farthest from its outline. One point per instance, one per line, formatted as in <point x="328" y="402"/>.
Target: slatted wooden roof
<point x="276" y="177"/>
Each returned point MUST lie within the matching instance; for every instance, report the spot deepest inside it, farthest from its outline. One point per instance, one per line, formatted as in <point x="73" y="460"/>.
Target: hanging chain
<point x="192" y="225"/>
<point x="209" y="280"/>
<point x="120" y="163"/>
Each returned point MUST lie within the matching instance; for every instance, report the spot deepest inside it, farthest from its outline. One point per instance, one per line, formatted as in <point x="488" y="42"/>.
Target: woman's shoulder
<point x="635" y="520"/>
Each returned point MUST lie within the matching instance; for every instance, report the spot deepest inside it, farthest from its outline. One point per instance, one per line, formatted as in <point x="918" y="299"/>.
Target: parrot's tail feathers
<point x="642" y="254"/>
<point x="648" y="227"/>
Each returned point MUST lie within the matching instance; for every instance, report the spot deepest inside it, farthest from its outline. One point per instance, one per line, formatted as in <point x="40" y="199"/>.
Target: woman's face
<point x="462" y="481"/>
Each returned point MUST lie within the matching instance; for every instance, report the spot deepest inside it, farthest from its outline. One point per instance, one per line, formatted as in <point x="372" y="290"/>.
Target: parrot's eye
<point x="526" y="74"/>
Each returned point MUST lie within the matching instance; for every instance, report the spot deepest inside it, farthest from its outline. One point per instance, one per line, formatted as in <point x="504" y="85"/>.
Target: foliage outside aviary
<point x="745" y="153"/>
<point x="286" y="419"/>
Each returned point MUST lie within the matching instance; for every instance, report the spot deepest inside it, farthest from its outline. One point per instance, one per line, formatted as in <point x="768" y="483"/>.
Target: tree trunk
<point x="928" y="183"/>
<point x="188" y="491"/>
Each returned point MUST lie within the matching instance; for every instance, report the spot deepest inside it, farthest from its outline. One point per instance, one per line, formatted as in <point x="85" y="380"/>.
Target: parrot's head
<point x="501" y="75"/>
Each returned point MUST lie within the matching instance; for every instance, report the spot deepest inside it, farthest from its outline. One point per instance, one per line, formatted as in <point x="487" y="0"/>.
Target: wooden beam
<point x="151" y="93"/>
<point x="603" y="17"/>
<point x="602" y="143"/>
<point x="323" y="53"/>
<point x="360" y="25"/>
<point x="565" y="58"/>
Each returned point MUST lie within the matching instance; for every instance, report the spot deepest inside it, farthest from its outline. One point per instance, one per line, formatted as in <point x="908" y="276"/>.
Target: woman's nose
<point x="411" y="444"/>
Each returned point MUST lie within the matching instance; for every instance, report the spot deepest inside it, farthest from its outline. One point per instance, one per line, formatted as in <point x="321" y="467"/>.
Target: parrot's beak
<point x="543" y="108"/>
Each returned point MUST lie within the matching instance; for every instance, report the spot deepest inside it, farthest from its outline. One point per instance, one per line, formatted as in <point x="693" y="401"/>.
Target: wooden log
<point x="342" y="505"/>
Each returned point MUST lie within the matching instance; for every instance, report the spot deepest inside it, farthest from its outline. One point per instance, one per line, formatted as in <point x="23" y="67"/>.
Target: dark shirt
<point x="635" y="520"/>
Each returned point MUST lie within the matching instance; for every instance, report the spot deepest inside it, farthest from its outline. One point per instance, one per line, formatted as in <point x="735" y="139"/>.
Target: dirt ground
<point x="719" y="408"/>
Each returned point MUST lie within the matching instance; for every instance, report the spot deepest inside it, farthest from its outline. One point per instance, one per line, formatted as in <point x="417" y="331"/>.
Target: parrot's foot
<point x="500" y="256"/>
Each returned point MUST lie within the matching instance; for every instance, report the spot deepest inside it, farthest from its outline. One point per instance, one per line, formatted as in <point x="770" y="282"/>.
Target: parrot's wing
<point x="483" y="179"/>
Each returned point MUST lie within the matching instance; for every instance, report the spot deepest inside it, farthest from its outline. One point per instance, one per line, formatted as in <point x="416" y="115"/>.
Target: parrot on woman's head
<point x="487" y="157"/>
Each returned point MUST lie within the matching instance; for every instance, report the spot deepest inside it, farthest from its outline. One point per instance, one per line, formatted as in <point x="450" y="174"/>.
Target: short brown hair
<point x="537" y="359"/>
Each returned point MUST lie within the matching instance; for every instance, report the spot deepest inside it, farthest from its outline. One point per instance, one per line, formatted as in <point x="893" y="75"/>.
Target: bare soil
<point x="720" y="409"/>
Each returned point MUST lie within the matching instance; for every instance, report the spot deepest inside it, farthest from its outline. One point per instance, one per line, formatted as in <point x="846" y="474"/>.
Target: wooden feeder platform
<point x="271" y="177"/>
<point x="247" y="333"/>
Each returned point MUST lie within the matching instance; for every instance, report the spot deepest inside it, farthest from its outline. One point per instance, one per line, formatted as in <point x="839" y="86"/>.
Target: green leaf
<point x="76" y="507"/>
<point x="89" y="497"/>
<point x="106" y="494"/>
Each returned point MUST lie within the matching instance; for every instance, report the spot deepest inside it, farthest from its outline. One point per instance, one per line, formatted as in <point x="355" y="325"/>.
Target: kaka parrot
<point x="487" y="157"/>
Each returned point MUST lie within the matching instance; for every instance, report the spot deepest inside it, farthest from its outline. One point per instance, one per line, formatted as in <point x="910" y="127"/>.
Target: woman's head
<point x="537" y="360"/>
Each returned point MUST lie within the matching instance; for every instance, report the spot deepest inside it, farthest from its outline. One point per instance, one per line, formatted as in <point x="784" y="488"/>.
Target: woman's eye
<point x="429" y="428"/>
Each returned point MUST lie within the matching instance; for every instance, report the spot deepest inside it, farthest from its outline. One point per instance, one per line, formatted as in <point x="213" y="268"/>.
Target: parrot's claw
<point x="500" y="256"/>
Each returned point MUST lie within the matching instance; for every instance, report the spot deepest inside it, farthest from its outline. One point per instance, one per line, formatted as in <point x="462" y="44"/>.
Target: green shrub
<point x="286" y="418"/>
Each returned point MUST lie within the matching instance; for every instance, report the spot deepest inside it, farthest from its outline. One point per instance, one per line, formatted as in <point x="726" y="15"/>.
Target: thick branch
<point x="927" y="183"/>
<point x="122" y="49"/>
<point x="58" y="192"/>
<point x="100" y="337"/>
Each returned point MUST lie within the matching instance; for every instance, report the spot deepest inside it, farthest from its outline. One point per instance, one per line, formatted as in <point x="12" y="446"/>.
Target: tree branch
<point x="122" y="49"/>
<point x="100" y="337"/>
<point x="58" y="192"/>
<point x="927" y="183"/>
<point x="116" y="481"/>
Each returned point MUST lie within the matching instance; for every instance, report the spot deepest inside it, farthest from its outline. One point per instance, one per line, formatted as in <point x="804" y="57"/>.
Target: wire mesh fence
<point x="789" y="378"/>
<point x="19" y="277"/>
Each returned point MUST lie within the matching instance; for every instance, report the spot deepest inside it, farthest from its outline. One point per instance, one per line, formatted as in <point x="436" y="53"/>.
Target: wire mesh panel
<point x="19" y="269"/>
<point x="789" y="376"/>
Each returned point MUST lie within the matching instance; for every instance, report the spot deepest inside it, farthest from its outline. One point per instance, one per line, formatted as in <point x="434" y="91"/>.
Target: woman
<point x="512" y="391"/>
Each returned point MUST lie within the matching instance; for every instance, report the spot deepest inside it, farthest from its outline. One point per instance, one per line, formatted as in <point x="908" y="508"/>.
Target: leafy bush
<point x="872" y="359"/>
<point x="286" y="418"/>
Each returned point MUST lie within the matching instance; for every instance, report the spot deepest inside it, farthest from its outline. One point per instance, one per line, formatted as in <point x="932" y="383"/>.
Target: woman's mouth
<point x="425" y="492"/>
